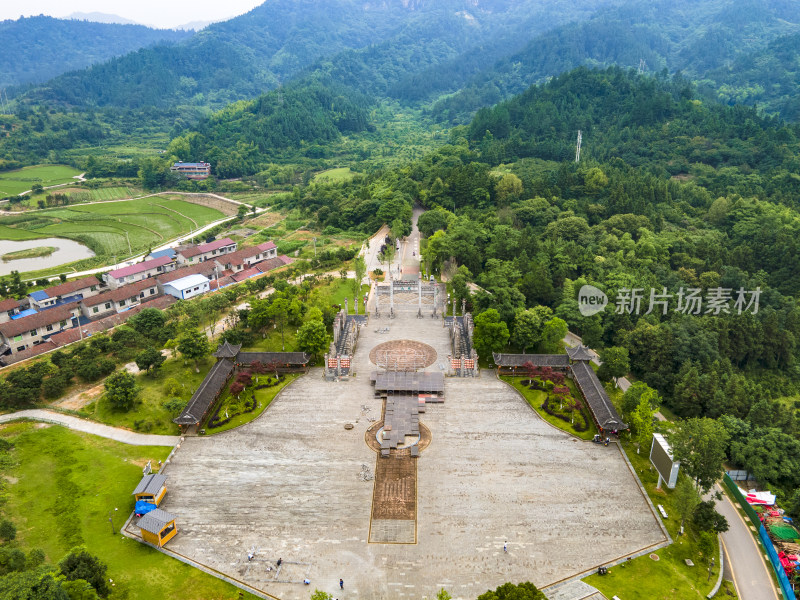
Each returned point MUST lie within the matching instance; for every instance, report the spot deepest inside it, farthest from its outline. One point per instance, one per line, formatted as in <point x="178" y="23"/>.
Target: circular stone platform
<point x="403" y="354"/>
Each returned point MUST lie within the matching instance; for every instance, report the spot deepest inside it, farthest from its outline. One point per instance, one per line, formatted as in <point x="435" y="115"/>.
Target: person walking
<point x="505" y="547"/>
<point x="341" y="584"/>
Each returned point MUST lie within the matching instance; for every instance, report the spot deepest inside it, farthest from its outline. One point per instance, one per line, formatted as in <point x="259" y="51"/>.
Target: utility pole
<point x="578" y="148"/>
<point x="315" y="247"/>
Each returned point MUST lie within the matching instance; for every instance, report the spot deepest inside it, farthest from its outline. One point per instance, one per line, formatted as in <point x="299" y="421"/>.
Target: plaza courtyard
<point x="296" y="485"/>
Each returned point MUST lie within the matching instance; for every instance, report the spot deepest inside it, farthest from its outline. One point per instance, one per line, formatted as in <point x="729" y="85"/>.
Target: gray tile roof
<point x="537" y="360"/>
<point x="206" y="394"/>
<point x="155" y="521"/>
<point x="402" y="381"/>
<point x="150" y="484"/>
<point x="282" y="358"/>
<point x="226" y="350"/>
<point x="599" y="403"/>
<point x="579" y="352"/>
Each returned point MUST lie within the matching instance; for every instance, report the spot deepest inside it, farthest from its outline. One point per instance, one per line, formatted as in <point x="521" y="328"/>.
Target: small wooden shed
<point x="158" y="527"/>
<point x="152" y="488"/>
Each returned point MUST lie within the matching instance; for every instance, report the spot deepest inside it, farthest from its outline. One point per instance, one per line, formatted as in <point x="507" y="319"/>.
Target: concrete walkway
<point x="112" y="433"/>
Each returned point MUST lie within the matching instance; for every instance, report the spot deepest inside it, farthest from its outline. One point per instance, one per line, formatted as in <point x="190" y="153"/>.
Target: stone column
<point x="346" y="308"/>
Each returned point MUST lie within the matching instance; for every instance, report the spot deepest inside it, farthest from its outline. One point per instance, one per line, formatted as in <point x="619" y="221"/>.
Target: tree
<point x="699" y="444"/>
<point x="7" y="530"/>
<point x="509" y="591"/>
<point x="508" y="189"/>
<point x="529" y="325"/>
<point x="443" y="594"/>
<point x="361" y="269"/>
<point x="615" y="363"/>
<point x="193" y="345"/>
<point x="686" y="498"/>
<point x="121" y="390"/>
<point x="313" y="338"/>
<point x="79" y="564"/>
<point x="706" y="518"/>
<point x="279" y="313"/>
<point x="459" y="283"/>
<point x="150" y="358"/>
<point x="149" y="322"/>
<point x="553" y="335"/>
<point x="642" y="422"/>
<point x="320" y="595"/>
<point x="242" y="212"/>
<point x="632" y="396"/>
<point x="490" y="334"/>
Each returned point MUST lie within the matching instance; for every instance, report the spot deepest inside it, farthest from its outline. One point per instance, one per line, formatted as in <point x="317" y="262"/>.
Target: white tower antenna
<point x="578" y="148"/>
<point x="642" y="66"/>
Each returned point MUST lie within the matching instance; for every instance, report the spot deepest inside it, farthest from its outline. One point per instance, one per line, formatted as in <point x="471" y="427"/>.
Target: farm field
<point x="339" y="175"/>
<point x="15" y="182"/>
<point x="116" y="228"/>
<point x="61" y="488"/>
<point x="79" y="195"/>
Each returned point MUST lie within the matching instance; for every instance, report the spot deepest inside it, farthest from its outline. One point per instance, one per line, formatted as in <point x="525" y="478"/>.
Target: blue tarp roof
<point x="39" y="295"/>
<point x="167" y="252"/>
<point x="24" y="313"/>
<point x="142" y="507"/>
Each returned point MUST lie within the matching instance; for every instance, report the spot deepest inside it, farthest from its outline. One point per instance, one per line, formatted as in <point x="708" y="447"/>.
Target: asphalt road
<point x="750" y="571"/>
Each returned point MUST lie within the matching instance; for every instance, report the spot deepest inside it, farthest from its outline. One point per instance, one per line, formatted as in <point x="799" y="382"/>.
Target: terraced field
<point x="20" y="180"/>
<point x="79" y="195"/>
<point x="113" y="228"/>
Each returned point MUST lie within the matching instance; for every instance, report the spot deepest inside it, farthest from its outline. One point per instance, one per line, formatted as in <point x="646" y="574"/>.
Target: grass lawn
<point x="149" y="410"/>
<point x="336" y="291"/>
<point x="536" y="397"/>
<point x="272" y="341"/>
<point x="669" y="578"/>
<point x="335" y="175"/>
<point x="60" y="492"/>
<point x="264" y="398"/>
<point x="20" y="180"/>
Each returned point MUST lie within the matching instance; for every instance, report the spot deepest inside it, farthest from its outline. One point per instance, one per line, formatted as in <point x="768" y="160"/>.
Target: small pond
<point x="67" y="251"/>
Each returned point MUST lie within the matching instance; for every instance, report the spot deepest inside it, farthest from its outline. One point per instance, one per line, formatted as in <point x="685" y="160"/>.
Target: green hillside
<point x="36" y="49"/>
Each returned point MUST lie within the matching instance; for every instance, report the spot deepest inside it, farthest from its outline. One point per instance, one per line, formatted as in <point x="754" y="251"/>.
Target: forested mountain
<point x="36" y="49"/>
<point x="768" y="78"/>
<point x="241" y="138"/>
<point x="255" y="52"/>
<point x="677" y="35"/>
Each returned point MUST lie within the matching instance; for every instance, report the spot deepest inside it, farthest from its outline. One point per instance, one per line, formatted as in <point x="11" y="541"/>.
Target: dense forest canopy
<point x="36" y="49"/>
<point x="692" y="37"/>
<point x="255" y="52"/>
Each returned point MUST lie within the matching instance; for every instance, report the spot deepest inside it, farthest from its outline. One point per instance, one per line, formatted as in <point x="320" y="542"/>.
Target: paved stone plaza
<point x="288" y="486"/>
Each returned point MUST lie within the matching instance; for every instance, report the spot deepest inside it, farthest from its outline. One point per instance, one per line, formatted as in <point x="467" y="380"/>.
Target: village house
<point x="203" y="252"/>
<point x="120" y="299"/>
<point x="64" y="293"/>
<point x="139" y="271"/>
<point x="18" y="334"/>
<point x="9" y="308"/>
<point x="187" y="287"/>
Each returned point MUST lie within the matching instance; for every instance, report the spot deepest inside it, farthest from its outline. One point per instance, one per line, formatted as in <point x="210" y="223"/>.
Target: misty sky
<point x="158" y="13"/>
